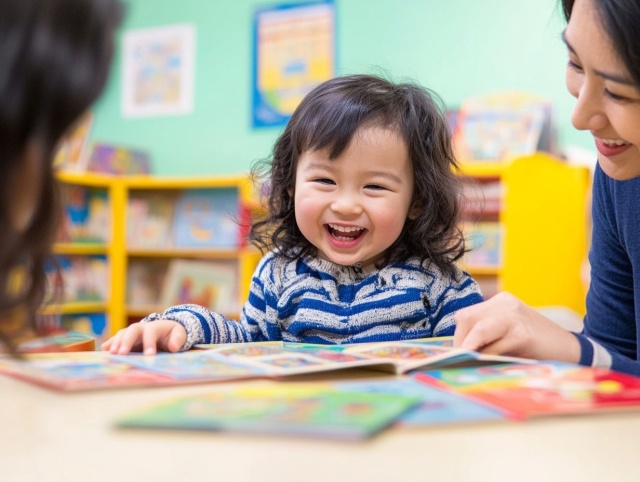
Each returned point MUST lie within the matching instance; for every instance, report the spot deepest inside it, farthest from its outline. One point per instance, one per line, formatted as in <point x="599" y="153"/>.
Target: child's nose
<point x="347" y="204"/>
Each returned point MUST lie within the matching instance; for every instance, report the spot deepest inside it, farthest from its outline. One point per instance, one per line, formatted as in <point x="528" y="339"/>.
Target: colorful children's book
<point x="86" y="370"/>
<point x="212" y="284"/>
<point x="207" y="218"/>
<point x="236" y="361"/>
<point x="73" y="153"/>
<point x="150" y="220"/>
<point x="300" y="410"/>
<point x="112" y="159"/>
<point x="436" y="407"/>
<point x="64" y="341"/>
<point x="544" y="388"/>
<point x="300" y="358"/>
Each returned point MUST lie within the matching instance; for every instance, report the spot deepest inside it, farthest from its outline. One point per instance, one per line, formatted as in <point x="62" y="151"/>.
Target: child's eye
<point x="324" y="180"/>
<point x="375" y="187"/>
<point x="573" y="66"/>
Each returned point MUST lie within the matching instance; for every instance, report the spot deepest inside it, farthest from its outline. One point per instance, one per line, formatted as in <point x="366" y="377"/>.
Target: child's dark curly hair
<point x="327" y="118"/>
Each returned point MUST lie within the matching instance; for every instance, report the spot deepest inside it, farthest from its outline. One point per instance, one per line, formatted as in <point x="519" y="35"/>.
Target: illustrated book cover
<point x="207" y="218"/>
<point x="73" y="153"/>
<point x="436" y="406"/>
<point x="286" y="359"/>
<point x="543" y="388"/>
<point x="212" y="284"/>
<point x="150" y="220"/>
<point x="295" y="410"/>
<point x="96" y="370"/>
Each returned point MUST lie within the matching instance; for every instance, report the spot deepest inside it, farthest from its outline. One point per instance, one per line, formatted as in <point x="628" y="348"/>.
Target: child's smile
<point x="345" y="236"/>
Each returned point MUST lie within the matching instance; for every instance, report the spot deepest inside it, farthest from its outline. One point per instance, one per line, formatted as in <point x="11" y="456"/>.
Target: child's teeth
<point x="345" y="229"/>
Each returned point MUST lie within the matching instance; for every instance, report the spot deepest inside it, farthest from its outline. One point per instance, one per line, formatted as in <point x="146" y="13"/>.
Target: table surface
<point x="52" y="436"/>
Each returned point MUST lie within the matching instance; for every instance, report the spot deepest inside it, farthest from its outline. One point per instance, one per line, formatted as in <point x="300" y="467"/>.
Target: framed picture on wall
<point x="294" y="51"/>
<point x="158" y="71"/>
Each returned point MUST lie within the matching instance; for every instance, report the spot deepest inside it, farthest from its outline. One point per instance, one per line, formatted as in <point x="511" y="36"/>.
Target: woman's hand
<point x="165" y="335"/>
<point x="504" y="325"/>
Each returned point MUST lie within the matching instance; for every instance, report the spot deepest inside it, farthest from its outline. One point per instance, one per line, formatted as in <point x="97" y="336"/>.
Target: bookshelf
<point x="542" y="225"/>
<point x="122" y="251"/>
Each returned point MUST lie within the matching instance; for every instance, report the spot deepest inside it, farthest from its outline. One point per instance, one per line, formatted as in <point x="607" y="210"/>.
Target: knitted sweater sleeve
<point x="204" y="326"/>
<point x="460" y="292"/>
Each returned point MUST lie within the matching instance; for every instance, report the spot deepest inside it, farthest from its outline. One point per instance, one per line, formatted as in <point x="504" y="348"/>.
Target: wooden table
<point x="50" y="436"/>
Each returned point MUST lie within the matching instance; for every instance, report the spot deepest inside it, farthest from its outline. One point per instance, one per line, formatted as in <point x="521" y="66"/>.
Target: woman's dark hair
<point x="54" y="60"/>
<point x="327" y="118"/>
<point x="621" y="21"/>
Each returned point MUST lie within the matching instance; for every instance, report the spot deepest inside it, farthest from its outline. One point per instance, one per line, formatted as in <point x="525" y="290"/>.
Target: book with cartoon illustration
<point x="318" y="410"/>
<point x="235" y="361"/>
<point x="542" y="388"/>
<point x="436" y="406"/>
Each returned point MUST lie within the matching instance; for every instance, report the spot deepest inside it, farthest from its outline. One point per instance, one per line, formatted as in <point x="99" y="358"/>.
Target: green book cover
<point x="300" y="410"/>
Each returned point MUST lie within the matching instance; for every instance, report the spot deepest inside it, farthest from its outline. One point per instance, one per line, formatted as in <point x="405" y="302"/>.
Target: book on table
<point x="538" y="389"/>
<point x="318" y="410"/>
<point x="95" y="370"/>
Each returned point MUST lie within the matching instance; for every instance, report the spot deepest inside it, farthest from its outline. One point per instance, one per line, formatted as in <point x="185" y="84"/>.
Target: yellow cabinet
<point x="543" y="233"/>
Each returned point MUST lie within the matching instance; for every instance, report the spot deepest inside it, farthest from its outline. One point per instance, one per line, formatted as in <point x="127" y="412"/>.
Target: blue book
<point x="207" y="218"/>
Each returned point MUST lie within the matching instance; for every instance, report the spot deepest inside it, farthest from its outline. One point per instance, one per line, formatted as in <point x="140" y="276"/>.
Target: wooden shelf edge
<point x="73" y="307"/>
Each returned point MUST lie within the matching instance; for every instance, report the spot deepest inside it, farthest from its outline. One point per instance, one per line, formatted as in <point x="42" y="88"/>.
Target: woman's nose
<point x="588" y="114"/>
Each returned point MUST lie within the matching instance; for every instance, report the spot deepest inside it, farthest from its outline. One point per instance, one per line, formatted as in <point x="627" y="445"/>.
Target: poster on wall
<point x="158" y="71"/>
<point x="294" y="51"/>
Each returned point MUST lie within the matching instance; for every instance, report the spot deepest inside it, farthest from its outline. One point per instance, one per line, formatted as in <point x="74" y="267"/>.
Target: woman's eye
<point x="573" y="66"/>
<point x="616" y="97"/>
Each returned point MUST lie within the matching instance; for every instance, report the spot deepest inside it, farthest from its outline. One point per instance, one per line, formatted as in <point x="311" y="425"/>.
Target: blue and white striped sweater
<point x="316" y="301"/>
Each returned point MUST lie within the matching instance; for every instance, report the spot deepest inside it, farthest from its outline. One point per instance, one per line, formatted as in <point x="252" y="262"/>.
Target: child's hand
<point x="163" y="335"/>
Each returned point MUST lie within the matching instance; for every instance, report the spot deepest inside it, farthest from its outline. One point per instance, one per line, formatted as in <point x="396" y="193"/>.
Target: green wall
<point x="459" y="48"/>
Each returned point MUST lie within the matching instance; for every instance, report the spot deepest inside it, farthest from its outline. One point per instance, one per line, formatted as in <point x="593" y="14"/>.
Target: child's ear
<point x="414" y="211"/>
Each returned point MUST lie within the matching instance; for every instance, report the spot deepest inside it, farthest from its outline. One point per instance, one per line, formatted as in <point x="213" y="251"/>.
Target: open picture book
<point x="96" y="370"/>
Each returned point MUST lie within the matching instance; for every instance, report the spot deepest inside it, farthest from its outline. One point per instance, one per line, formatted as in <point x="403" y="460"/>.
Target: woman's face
<point x="608" y="100"/>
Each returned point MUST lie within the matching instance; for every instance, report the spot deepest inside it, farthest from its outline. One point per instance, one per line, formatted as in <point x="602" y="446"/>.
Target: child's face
<point x="608" y="100"/>
<point x="354" y="207"/>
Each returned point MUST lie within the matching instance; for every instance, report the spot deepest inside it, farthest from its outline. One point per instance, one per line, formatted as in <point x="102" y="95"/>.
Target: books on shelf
<point x="485" y="243"/>
<point x="112" y="159"/>
<point x="482" y="197"/>
<point x="88" y="324"/>
<point x="149" y="220"/>
<point x="80" y="278"/>
<point x="317" y="410"/>
<point x="73" y="153"/>
<point x="208" y="218"/>
<point x="86" y="216"/>
<point x="503" y="125"/>
<point x="196" y="218"/>
<point x="144" y="282"/>
<point x="212" y="284"/>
